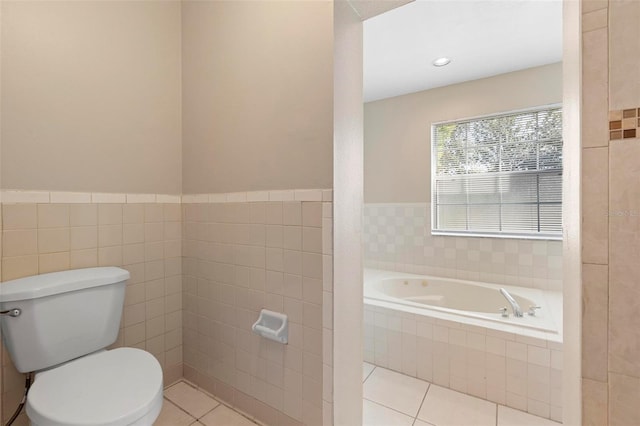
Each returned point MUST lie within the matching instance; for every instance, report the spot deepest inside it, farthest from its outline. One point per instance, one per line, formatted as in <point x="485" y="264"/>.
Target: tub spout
<point x="517" y="310"/>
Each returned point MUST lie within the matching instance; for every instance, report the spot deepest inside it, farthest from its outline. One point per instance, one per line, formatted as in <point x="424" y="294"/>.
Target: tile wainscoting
<point x="241" y="256"/>
<point x="145" y="239"/>
<point x="201" y="266"/>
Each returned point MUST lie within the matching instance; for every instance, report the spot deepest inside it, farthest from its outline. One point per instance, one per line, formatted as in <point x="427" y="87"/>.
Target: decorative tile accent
<point x="624" y="124"/>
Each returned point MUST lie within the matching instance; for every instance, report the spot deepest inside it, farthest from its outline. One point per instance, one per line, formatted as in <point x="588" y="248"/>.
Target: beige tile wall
<point x="611" y="215"/>
<point x="327" y="313"/>
<point x="145" y="239"/>
<point x="518" y="371"/>
<point x="397" y="237"/>
<point x="240" y="257"/>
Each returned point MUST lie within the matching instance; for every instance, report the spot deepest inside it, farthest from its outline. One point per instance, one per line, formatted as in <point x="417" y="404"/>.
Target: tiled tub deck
<point x="521" y="372"/>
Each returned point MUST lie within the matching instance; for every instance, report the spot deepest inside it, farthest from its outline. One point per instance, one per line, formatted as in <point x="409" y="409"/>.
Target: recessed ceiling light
<point x="441" y="62"/>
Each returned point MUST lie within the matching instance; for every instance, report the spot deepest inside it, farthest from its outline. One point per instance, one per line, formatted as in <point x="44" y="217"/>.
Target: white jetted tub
<point x="451" y="333"/>
<point x="468" y="302"/>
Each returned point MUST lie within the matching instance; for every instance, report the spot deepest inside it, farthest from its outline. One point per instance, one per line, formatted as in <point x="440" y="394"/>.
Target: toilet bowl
<point x="111" y="388"/>
<point x="58" y="326"/>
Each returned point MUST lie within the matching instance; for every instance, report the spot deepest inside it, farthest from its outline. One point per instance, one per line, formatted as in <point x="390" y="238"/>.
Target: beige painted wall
<point x="397" y="131"/>
<point x="257" y="95"/>
<point x="91" y="98"/>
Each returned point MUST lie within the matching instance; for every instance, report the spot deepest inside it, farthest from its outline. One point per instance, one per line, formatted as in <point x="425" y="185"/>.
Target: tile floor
<point x="390" y="399"/>
<point x="185" y="405"/>
<point x="393" y="399"/>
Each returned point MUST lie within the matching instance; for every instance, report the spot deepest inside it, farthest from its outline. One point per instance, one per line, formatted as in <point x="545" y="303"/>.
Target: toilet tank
<point x="63" y="315"/>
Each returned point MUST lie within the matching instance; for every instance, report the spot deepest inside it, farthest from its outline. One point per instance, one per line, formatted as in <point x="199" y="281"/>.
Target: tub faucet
<point x="517" y="310"/>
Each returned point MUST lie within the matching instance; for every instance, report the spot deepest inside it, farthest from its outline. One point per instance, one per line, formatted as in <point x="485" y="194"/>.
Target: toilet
<point x="59" y="325"/>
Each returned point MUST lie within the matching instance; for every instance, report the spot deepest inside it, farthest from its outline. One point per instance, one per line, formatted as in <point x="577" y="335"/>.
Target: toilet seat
<point x="111" y="388"/>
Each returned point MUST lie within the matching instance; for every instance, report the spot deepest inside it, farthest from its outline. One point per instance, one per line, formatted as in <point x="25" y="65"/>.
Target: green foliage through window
<point x="499" y="175"/>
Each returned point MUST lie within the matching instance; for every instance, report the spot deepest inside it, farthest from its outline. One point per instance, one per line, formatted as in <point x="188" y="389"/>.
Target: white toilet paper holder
<point x="272" y="325"/>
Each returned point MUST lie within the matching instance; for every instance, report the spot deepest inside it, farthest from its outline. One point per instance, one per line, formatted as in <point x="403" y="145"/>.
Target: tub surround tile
<point x="395" y="238"/>
<point x="526" y="376"/>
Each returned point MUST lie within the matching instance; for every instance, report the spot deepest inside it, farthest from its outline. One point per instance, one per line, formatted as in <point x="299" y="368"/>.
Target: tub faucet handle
<point x="532" y="310"/>
<point x="504" y="312"/>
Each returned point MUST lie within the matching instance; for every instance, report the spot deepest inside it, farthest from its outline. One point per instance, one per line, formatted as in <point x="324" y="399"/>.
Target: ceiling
<point x="481" y="37"/>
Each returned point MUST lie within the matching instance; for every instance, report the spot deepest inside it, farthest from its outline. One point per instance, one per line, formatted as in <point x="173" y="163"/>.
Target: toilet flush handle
<point x="15" y="312"/>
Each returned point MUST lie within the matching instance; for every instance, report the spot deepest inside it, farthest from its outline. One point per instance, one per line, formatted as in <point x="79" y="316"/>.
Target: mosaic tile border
<point x="624" y="124"/>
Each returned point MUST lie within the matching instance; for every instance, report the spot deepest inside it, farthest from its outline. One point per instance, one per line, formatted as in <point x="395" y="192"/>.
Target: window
<point x="499" y="175"/>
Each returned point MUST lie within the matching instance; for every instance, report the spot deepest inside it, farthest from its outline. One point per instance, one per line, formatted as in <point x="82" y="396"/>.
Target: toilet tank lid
<point x="60" y="282"/>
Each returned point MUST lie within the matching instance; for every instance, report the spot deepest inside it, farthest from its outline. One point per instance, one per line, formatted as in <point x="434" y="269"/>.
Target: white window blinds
<point x="499" y="175"/>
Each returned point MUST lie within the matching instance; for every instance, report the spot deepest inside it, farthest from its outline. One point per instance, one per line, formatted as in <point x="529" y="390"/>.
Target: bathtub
<point x="450" y="332"/>
<point x="466" y="302"/>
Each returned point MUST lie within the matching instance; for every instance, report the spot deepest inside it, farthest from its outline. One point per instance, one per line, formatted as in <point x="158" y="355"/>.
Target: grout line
<point x="420" y="407"/>
<point x="370" y="373"/>
<point x="179" y="408"/>
<point x="219" y="404"/>
<point x="182" y="409"/>
<point x="390" y="408"/>
<point x="496" y="414"/>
